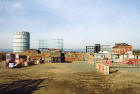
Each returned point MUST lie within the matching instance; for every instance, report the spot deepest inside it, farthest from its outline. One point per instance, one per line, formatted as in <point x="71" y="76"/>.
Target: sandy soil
<point x="70" y="78"/>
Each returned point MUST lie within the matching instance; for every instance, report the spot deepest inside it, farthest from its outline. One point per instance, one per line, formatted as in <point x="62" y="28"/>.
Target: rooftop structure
<point x="121" y="44"/>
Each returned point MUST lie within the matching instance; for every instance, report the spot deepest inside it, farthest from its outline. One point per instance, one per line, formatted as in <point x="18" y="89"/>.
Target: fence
<point x="131" y="62"/>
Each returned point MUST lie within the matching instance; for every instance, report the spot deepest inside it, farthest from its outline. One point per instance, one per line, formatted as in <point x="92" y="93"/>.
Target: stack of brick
<point x="69" y="57"/>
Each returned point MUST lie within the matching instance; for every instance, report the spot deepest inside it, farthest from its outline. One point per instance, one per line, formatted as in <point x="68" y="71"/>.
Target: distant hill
<point x="76" y="50"/>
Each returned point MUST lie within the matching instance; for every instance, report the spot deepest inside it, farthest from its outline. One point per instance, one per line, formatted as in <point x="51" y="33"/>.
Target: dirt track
<point x="72" y="78"/>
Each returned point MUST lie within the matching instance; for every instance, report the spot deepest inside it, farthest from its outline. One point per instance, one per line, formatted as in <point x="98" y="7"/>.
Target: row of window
<point x="122" y="49"/>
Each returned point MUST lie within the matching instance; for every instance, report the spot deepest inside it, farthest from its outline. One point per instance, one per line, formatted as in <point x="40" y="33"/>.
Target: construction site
<point x="51" y="70"/>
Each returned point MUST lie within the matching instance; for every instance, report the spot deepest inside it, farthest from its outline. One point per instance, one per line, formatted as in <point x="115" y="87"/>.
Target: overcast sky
<point x="78" y="22"/>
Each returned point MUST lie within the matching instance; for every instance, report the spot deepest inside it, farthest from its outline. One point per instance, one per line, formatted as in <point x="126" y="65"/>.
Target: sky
<point x="78" y="22"/>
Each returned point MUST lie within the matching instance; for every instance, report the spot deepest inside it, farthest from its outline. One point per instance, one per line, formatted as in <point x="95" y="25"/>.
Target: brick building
<point x="122" y="48"/>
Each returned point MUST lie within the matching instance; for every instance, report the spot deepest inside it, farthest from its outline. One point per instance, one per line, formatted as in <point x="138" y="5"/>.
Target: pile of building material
<point x="20" y="60"/>
<point x="72" y="56"/>
<point x="2" y="56"/>
<point x="47" y="57"/>
<point x="53" y="57"/>
<point x="102" y="68"/>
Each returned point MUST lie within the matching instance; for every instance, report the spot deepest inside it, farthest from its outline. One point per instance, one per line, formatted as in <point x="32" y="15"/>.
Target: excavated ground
<point x="67" y="78"/>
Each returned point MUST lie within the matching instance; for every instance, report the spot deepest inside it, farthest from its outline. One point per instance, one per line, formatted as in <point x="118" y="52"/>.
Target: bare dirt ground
<point x="67" y="78"/>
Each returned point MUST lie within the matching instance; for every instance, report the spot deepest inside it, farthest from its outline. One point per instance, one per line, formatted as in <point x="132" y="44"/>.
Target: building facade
<point x="105" y="48"/>
<point x="97" y="48"/>
<point x="90" y="49"/>
<point x="122" y="48"/>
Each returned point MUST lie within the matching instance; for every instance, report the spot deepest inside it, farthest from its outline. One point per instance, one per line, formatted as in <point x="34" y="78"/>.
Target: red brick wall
<point x="122" y="49"/>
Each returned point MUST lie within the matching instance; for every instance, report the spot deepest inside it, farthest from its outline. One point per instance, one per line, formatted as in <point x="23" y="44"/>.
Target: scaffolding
<point x="51" y="44"/>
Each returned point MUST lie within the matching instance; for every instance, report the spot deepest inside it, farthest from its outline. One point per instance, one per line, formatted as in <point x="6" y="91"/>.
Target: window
<point x="128" y="49"/>
<point x="122" y="49"/>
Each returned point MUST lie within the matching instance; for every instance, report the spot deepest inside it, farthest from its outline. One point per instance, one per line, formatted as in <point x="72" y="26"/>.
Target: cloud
<point x="78" y="22"/>
<point x="17" y="5"/>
